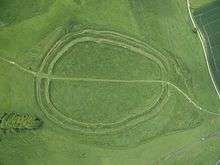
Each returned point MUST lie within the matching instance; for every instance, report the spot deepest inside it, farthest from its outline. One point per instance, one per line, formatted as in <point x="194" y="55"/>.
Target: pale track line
<point x="18" y="66"/>
<point x="218" y="162"/>
<point x="140" y="43"/>
<point x="83" y="39"/>
<point x="203" y="42"/>
<point x="202" y="39"/>
<point x="100" y="40"/>
<point x="127" y="37"/>
<point x="110" y="80"/>
<point x="183" y="149"/>
<point x="111" y="124"/>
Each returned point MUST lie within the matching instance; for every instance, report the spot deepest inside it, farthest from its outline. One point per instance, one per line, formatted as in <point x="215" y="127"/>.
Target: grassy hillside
<point x="115" y="82"/>
<point x="208" y="20"/>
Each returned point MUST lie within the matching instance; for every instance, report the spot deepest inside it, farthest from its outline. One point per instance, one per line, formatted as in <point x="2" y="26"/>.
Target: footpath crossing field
<point x="109" y="82"/>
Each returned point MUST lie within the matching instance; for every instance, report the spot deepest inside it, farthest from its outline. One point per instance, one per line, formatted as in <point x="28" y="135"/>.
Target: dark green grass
<point x="208" y="19"/>
<point x="20" y="10"/>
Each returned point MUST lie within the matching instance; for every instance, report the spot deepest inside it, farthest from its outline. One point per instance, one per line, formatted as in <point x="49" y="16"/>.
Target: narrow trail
<point x="203" y="42"/>
<point x="197" y="106"/>
<point x="18" y="66"/>
<point x="183" y="149"/>
<point x="52" y="77"/>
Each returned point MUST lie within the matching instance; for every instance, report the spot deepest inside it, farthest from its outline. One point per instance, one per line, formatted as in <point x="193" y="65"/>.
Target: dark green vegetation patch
<point x="208" y="19"/>
<point x="19" y="122"/>
<point x="20" y="10"/>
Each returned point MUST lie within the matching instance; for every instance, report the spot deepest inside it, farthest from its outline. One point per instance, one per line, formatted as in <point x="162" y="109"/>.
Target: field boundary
<point x="203" y="42"/>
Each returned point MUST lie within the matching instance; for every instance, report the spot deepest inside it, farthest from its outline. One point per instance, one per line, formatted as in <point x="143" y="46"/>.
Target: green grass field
<point x="115" y="82"/>
<point x="208" y="19"/>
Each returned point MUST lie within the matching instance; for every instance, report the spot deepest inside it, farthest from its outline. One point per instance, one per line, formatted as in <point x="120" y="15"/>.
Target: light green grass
<point x="81" y="86"/>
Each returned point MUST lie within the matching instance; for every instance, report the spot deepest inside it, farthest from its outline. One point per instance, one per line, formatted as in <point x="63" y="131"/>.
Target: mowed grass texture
<point x="115" y="82"/>
<point x="209" y="23"/>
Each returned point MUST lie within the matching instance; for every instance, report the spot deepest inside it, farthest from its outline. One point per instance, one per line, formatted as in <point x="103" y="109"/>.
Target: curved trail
<point x="104" y="37"/>
<point x="182" y="149"/>
<point x="203" y="42"/>
<point x="35" y="74"/>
